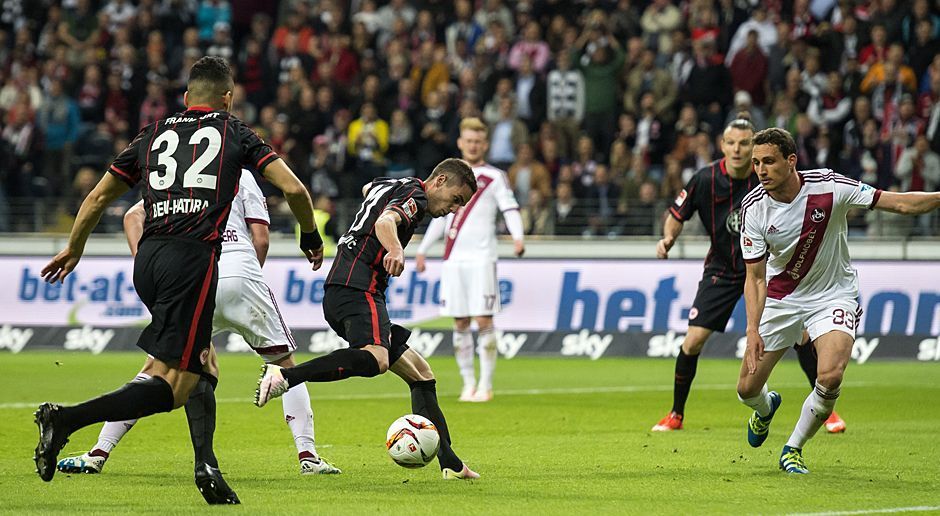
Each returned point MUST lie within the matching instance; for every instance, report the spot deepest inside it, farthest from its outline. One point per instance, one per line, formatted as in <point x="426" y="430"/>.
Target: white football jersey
<point x="239" y="258"/>
<point x="471" y="232"/>
<point x="805" y="241"/>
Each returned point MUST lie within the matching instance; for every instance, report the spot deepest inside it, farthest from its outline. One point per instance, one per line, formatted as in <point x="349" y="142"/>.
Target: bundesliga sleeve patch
<point x="411" y="208"/>
<point x="680" y="199"/>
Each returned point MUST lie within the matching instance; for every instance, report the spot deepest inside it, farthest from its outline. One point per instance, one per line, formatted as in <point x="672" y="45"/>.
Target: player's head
<point x="737" y="142"/>
<point x="450" y="185"/>
<point x="210" y="84"/>
<point x="473" y="142"/>
<point x="774" y="157"/>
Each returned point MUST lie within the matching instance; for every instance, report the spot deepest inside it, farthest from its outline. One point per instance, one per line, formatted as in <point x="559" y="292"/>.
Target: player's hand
<point x="394" y="262"/>
<point x="518" y="248"/>
<point x="662" y="248"/>
<point x="754" y="352"/>
<point x="61" y="266"/>
<point x="314" y="256"/>
<point x="420" y="266"/>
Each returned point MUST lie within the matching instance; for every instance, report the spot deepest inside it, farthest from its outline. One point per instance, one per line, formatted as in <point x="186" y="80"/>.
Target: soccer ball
<point x="412" y="441"/>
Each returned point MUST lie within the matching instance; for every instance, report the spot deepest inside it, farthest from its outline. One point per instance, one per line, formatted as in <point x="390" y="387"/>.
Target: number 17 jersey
<point x="190" y="165"/>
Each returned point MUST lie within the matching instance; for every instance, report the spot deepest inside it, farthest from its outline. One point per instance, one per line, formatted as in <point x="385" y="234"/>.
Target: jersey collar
<point x="721" y="165"/>
<point x="204" y="109"/>
<point x="423" y="186"/>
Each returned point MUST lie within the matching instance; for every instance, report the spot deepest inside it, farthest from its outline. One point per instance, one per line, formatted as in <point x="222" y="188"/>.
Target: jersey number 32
<point x="193" y="177"/>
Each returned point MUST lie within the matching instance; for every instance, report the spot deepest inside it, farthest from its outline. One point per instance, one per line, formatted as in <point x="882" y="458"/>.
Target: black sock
<point x="424" y="403"/>
<point x="685" y="373"/>
<point x="200" y="414"/>
<point x="132" y="401"/>
<point x="338" y="365"/>
<point x="808" y="361"/>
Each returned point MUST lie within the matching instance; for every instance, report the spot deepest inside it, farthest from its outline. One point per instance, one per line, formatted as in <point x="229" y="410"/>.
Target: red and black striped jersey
<point x="358" y="262"/>
<point x="716" y="196"/>
<point x="190" y="165"/>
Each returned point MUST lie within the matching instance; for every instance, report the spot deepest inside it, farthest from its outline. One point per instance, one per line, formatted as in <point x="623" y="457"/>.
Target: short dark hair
<point x="457" y="169"/>
<point x="778" y="137"/>
<point x="210" y="77"/>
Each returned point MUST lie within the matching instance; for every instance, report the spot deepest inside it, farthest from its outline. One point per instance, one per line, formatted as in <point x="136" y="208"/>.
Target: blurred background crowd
<point x="599" y="110"/>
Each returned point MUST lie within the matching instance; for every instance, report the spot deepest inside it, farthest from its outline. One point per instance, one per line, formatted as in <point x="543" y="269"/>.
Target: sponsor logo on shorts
<point x="693" y="313"/>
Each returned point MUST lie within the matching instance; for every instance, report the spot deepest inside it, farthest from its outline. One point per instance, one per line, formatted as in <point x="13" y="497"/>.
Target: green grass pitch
<point x="563" y="436"/>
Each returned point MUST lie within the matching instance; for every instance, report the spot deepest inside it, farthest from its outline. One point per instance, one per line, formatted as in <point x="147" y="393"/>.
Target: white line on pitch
<point x="507" y="392"/>
<point x="922" y="508"/>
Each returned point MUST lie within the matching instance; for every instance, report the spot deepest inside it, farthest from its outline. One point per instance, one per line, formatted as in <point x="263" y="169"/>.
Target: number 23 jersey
<point x="190" y="165"/>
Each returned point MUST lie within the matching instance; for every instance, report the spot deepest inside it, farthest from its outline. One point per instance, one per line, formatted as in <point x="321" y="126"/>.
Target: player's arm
<point x="907" y="203"/>
<point x="134" y="225"/>
<point x="260" y="240"/>
<point x="365" y="188"/>
<point x="516" y="229"/>
<point x="755" y="295"/>
<point x="301" y="205"/>
<point x="672" y="228"/>
<point x="434" y="232"/>
<point x="386" y="230"/>
<point x="104" y="193"/>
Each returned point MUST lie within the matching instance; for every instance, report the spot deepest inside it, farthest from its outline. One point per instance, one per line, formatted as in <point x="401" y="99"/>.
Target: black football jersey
<point x="717" y="197"/>
<point x="359" y="254"/>
<point x="190" y="164"/>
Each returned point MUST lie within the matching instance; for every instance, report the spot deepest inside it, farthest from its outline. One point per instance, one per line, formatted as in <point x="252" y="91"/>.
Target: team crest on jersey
<point x="410" y="207"/>
<point x="747" y="242"/>
<point x="680" y="199"/>
<point x="733" y="222"/>
<point x="818" y="215"/>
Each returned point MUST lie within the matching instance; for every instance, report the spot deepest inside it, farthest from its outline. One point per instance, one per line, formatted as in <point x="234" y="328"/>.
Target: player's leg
<point x="454" y="295"/>
<point x="463" y="353"/>
<point x="201" y="412"/>
<point x="686" y="366"/>
<point x="110" y="435"/>
<point x="417" y="373"/>
<point x="487" y="347"/>
<point x="834" y="335"/>
<point x="358" y="317"/>
<point x="806" y="353"/>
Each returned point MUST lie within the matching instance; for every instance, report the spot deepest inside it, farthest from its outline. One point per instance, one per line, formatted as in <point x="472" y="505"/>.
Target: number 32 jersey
<point x="805" y="241"/>
<point x="190" y="165"/>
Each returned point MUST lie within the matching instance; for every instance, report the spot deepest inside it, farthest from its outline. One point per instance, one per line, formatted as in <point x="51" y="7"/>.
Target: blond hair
<point x="473" y="124"/>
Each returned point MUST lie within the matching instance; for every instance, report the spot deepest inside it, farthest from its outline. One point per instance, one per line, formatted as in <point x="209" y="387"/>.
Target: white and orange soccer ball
<point x="412" y="441"/>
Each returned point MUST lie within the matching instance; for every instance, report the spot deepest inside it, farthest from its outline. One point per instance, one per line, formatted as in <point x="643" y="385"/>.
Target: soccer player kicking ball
<point x="244" y="305"/>
<point x="469" y="288"/>
<point x="716" y="192"/>
<point x="354" y="299"/>
<point x="191" y="165"/>
<point x="799" y="276"/>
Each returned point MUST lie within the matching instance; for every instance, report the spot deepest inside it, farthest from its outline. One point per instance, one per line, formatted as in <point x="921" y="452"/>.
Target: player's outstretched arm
<point x="908" y="203"/>
<point x="260" y="240"/>
<point x="134" y="225"/>
<point x="755" y="294"/>
<point x="386" y="230"/>
<point x="104" y="193"/>
<point x="672" y="228"/>
<point x="281" y="176"/>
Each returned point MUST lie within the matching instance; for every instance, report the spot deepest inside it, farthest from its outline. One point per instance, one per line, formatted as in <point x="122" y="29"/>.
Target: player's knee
<point x="462" y="323"/>
<point x="692" y="346"/>
<point x="831" y="379"/>
<point x="745" y="390"/>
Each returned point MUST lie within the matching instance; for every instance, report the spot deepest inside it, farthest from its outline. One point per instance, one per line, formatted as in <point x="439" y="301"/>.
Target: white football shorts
<point x="247" y="307"/>
<point x="469" y="288"/>
<point x="782" y="323"/>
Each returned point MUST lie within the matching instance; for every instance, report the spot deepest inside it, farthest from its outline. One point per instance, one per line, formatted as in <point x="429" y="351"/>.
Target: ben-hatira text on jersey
<point x="805" y="241"/>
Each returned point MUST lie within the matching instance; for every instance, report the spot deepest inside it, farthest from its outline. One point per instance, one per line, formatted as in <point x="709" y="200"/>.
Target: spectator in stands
<point x="877" y="49"/>
<point x="640" y="217"/>
<point x="749" y="69"/>
<point x="494" y="10"/>
<point x="651" y="133"/>
<point x="569" y="216"/>
<point x="600" y="60"/>
<point x="323" y="170"/>
<point x="601" y="200"/>
<point x="766" y="30"/>
<point x="565" y="92"/>
<point x="919" y="13"/>
<point x="209" y="14"/>
<point x="924" y="48"/>
<point x="528" y="174"/>
<point x="531" y="46"/>
<point x="743" y="102"/>
<point x="537" y="215"/>
<point x="506" y="135"/>
<point x="79" y="29"/>
<point x="368" y="142"/>
<point x="584" y="163"/>
<point x="401" y="146"/>
<point x="59" y="120"/>
<point x="20" y="144"/>
<point x="648" y="78"/>
<point x="432" y="124"/>
<point x="880" y="72"/>
<point x="530" y="95"/>
<point x="831" y="107"/>
<point x="658" y="21"/>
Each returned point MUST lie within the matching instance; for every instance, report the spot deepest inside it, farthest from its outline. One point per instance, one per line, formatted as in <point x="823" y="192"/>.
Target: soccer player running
<point x="469" y="288"/>
<point x="716" y="192"/>
<point x="190" y="164"/>
<point x="799" y="276"/>
<point x="354" y="298"/>
<point x="244" y="305"/>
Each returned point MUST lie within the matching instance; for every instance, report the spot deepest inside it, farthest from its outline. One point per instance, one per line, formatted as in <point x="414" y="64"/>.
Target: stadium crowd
<point x="598" y="110"/>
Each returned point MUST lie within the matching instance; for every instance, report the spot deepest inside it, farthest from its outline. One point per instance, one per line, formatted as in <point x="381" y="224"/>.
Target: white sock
<point x="760" y="403"/>
<point x="463" y="351"/>
<point x="299" y="417"/>
<point x="112" y="431"/>
<point x="486" y="346"/>
<point x="816" y="410"/>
